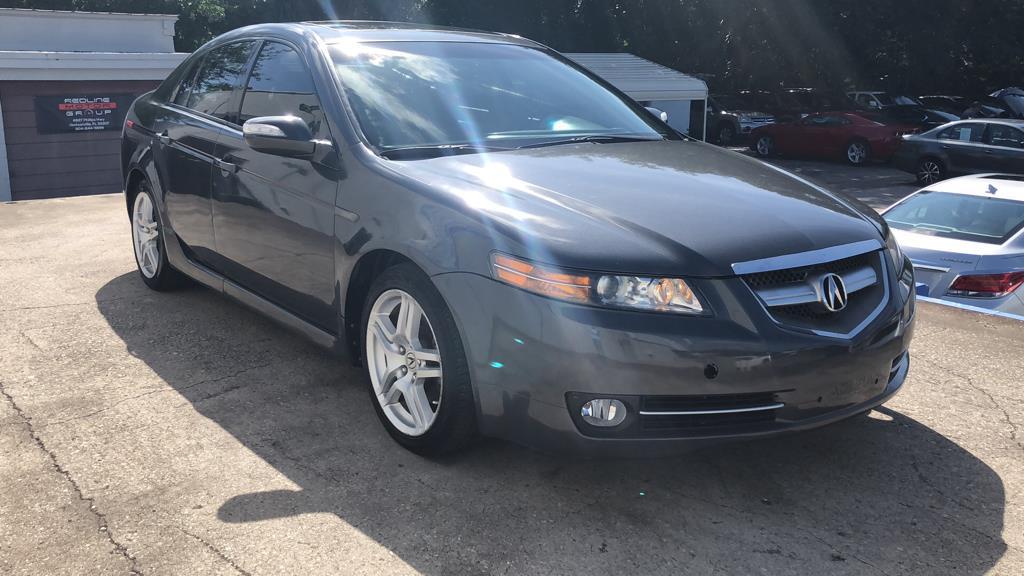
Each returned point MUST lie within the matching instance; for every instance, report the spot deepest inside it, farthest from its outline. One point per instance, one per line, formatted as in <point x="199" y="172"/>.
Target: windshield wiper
<point x="600" y="138"/>
<point x="437" y="150"/>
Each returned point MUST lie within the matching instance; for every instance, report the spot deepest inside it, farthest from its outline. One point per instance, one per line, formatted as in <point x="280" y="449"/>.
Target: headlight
<point x="672" y="295"/>
<point x="894" y="252"/>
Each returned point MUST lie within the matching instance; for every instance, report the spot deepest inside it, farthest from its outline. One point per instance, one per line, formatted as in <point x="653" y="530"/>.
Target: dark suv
<point x="510" y="246"/>
<point x="731" y="119"/>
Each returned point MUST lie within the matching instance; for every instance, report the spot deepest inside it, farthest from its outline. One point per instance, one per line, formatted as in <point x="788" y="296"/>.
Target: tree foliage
<point x="941" y="46"/>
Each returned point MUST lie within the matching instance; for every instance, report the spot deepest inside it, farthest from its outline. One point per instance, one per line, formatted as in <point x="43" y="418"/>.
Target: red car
<point x="854" y="136"/>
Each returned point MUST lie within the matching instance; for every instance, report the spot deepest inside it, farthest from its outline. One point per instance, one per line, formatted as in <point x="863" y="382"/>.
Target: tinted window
<point x="437" y="93"/>
<point x="218" y="76"/>
<point x="963" y="132"/>
<point x="1000" y="135"/>
<point x="280" y="85"/>
<point x="976" y="218"/>
<point x="184" y="88"/>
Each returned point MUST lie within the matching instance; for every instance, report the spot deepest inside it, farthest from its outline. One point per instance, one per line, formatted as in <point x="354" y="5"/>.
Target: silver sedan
<point x="965" y="237"/>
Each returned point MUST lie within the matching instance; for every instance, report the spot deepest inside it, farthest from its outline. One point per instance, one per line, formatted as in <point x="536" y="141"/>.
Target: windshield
<point x="489" y="96"/>
<point x="974" y="218"/>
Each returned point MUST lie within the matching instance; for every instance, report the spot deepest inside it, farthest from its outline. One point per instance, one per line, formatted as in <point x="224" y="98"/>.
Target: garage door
<point x="62" y="164"/>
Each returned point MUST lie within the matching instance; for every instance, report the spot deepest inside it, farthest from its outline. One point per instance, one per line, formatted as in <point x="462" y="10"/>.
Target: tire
<point x="148" y="243"/>
<point x="726" y="135"/>
<point x="929" y="171"/>
<point x="858" y="152"/>
<point x="428" y="415"/>
<point x="765" y="146"/>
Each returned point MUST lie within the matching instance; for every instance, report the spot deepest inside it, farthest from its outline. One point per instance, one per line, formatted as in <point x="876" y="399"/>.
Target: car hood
<point x="664" y="207"/>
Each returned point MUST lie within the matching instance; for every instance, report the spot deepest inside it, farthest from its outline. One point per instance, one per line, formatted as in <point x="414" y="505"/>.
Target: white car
<point x="965" y="237"/>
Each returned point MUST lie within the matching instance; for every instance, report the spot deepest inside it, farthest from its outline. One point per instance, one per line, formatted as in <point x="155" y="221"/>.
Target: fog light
<point x="603" y="412"/>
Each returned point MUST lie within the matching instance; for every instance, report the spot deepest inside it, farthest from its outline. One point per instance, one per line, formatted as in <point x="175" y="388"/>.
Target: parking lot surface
<point x="180" y="433"/>
<point x="877" y="185"/>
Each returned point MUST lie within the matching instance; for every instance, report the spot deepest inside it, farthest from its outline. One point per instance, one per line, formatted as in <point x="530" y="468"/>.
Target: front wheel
<point x="726" y="135"/>
<point x="416" y="365"/>
<point x="148" y="241"/>
<point x="765" y="146"/>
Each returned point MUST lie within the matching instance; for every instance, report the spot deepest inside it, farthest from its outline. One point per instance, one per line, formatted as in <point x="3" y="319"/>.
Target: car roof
<point x="334" y="31"/>
<point x="1006" y="186"/>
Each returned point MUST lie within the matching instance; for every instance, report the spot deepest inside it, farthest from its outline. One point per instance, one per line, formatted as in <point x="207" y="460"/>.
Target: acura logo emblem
<point x="833" y="292"/>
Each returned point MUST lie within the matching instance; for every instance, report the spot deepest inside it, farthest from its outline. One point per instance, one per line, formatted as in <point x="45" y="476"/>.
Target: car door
<point x="963" y="148"/>
<point x="1004" y="149"/>
<point x="812" y="136"/>
<point x="273" y="216"/>
<point x="836" y="133"/>
<point x="186" y="136"/>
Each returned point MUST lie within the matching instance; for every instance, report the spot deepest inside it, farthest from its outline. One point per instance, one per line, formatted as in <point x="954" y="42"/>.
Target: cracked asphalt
<point x="145" y="433"/>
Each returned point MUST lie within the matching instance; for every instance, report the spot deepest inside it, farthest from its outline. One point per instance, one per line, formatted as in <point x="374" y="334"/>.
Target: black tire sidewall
<point x="455" y="423"/>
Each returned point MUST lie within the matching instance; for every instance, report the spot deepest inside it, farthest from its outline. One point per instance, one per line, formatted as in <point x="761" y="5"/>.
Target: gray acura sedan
<point x="508" y="245"/>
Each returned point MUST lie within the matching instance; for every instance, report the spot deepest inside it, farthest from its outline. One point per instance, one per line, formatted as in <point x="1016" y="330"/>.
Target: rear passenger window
<point x="219" y="75"/>
<point x="280" y="85"/>
<point x="963" y="132"/>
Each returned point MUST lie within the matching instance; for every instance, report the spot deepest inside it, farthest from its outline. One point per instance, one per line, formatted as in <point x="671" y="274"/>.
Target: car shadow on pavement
<point x="883" y="494"/>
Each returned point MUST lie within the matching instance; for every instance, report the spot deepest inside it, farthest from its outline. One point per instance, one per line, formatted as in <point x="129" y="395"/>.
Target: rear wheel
<point x="416" y="365"/>
<point x="858" y="152"/>
<point x="930" y="171"/>
<point x="726" y="135"/>
<point x="765" y="146"/>
<point x="148" y="241"/>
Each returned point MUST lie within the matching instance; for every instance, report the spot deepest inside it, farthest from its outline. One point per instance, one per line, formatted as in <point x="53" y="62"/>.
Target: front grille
<point x="776" y="278"/>
<point x="792" y="299"/>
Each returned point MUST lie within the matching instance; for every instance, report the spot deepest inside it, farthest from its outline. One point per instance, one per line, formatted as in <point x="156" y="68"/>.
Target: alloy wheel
<point x="765" y="146"/>
<point x="146" y="235"/>
<point x="857" y="153"/>
<point x="929" y="172"/>
<point x="404" y="362"/>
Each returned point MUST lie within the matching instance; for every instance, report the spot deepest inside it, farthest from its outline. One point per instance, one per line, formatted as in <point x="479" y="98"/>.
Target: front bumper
<point x="531" y="358"/>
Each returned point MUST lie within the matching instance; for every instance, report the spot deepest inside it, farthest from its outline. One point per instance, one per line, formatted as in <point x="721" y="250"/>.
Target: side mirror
<point x="279" y="135"/>
<point x="659" y="113"/>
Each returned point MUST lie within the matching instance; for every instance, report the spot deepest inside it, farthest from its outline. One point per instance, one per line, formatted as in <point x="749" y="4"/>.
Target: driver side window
<point x="280" y="85"/>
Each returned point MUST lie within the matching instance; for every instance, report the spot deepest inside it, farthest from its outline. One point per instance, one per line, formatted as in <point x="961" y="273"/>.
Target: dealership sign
<point x="81" y="113"/>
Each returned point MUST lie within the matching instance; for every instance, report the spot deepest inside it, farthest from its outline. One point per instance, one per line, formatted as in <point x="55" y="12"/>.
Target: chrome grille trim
<point x="883" y="301"/>
<point x="808" y="292"/>
<point x="722" y="411"/>
<point x="811" y="258"/>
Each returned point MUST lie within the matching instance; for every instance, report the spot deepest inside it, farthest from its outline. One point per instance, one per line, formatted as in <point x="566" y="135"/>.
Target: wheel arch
<point x="131" y="186"/>
<point x="367" y="268"/>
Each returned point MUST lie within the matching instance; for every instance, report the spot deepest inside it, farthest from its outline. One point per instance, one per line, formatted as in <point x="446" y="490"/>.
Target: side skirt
<point x="217" y="282"/>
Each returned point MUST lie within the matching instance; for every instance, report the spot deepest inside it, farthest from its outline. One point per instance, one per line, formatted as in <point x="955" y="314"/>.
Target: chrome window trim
<point x="801" y="259"/>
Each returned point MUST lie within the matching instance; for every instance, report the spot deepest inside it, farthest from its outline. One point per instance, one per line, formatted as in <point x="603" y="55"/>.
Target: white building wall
<point x="56" y="31"/>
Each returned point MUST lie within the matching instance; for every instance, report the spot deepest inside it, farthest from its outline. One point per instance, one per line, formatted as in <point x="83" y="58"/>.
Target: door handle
<point x="226" y="167"/>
